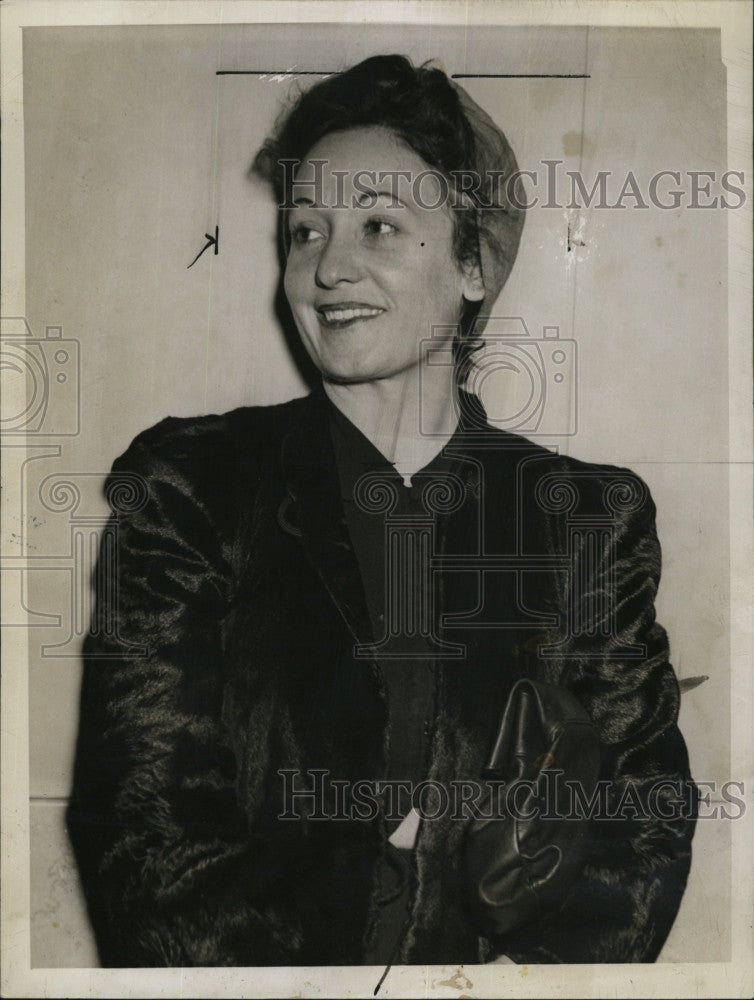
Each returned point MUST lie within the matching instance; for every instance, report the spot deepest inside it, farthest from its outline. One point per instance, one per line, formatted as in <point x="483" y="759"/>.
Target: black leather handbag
<point x="521" y="859"/>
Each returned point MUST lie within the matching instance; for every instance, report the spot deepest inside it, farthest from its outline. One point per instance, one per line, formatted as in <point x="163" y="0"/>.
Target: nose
<point x="338" y="262"/>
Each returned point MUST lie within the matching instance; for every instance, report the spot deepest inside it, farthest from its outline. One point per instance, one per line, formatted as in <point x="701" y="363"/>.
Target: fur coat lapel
<point x="311" y="477"/>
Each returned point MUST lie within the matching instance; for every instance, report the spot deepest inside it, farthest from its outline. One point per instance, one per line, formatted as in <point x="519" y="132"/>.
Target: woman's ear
<point x="473" y="284"/>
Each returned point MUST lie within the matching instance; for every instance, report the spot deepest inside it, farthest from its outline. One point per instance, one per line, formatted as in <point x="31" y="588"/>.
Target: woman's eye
<point x="305" y="234"/>
<point x="380" y="227"/>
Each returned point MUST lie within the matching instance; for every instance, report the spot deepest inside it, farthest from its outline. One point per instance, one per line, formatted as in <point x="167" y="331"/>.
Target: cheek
<point x="440" y="291"/>
<point x="295" y="282"/>
<point x="290" y="283"/>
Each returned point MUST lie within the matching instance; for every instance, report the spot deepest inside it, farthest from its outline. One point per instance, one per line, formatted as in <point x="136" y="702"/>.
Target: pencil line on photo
<point x="454" y="76"/>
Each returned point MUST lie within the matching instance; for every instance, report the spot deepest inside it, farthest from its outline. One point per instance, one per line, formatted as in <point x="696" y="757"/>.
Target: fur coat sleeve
<point x="172" y="872"/>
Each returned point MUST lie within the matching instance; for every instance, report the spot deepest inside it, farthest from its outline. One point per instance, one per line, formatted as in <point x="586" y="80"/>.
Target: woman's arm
<point x="622" y="907"/>
<point x="171" y="872"/>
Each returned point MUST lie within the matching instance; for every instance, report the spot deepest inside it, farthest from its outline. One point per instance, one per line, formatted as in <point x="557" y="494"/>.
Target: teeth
<point x="343" y="315"/>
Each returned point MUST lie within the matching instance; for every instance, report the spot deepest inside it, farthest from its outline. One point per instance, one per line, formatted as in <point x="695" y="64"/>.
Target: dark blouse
<point x="408" y="678"/>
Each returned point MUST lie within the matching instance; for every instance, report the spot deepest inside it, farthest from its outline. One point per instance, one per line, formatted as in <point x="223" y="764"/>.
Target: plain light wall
<point x="135" y="149"/>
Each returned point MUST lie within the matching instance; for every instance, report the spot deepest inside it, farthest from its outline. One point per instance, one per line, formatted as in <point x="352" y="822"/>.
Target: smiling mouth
<point x="346" y="313"/>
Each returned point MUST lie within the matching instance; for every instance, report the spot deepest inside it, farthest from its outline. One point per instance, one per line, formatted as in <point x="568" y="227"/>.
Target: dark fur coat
<point x="235" y="576"/>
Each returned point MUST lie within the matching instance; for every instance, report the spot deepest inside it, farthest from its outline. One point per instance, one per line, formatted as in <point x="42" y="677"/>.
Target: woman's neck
<point x="409" y="418"/>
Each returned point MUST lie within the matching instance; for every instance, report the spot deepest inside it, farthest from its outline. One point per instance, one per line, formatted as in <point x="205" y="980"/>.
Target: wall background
<point x="135" y="148"/>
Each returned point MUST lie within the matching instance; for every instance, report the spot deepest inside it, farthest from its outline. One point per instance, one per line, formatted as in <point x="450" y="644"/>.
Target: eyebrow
<point x="382" y="194"/>
<point x="366" y="193"/>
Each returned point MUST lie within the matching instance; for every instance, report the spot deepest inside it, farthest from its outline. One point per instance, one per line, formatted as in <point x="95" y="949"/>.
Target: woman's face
<point x="368" y="277"/>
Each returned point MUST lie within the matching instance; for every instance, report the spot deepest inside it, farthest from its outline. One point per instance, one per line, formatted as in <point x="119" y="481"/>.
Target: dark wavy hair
<point x="422" y="108"/>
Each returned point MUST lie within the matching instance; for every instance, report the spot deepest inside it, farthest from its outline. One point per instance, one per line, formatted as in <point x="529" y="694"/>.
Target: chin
<point x="357" y="373"/>
<point x="347" y="371"/>
<point x="349" y="377"/>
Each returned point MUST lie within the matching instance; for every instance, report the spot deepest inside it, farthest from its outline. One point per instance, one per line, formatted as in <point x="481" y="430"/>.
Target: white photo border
<point x="734" y="978"/>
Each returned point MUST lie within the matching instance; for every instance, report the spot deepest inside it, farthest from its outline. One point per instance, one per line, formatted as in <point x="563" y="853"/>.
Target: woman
<point x="343" y="589"/>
